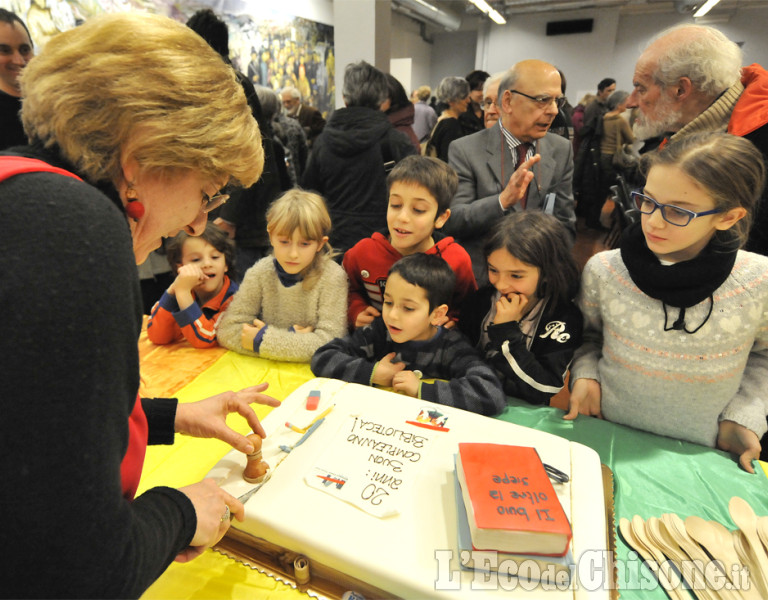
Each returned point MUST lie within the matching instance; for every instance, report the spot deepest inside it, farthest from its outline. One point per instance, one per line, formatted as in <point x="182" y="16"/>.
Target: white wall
<point x="610" y="50"/>
<point x="408" y="43"/>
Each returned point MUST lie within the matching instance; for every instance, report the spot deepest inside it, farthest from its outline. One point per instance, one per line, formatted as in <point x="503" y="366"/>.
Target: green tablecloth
<point x="652" y="475"/>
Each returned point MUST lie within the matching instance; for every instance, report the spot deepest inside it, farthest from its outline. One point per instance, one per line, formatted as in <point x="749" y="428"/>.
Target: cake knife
<point x="247" y="496"/>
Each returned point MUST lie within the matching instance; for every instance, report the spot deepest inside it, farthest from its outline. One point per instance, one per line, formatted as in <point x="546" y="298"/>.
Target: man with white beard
<point x="690" y="78"/>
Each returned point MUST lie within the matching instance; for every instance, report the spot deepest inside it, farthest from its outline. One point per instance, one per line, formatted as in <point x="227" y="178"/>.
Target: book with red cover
<point x="510" y="501"/>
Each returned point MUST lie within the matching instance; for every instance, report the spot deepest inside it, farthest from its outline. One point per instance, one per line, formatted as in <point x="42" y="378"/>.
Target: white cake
<point x="371" y="493"/>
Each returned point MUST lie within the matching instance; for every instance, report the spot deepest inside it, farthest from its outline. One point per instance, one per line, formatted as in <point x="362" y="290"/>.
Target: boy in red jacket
<point x="420" y="192"/>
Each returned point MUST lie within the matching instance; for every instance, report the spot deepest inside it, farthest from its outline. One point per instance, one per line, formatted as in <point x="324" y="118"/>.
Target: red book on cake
<point x="510" y="501"/>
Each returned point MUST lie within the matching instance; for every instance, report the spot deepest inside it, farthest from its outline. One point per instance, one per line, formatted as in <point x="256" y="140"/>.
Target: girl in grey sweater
<point x="291" y="303"/>
<point x="676" y="320"/>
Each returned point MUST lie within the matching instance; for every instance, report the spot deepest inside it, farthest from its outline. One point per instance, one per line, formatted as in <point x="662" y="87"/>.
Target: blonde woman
<point x="136" y="124"/>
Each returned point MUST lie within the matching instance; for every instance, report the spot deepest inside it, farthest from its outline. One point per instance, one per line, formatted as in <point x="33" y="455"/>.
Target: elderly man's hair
<point x="452" y="89"/>
<point x="508" y="81"/>
<point x="495" y="78"/>
<point x="616" y="98"/>
<point x="291" y="91"/>
<point x="270" y="103"/>
<point x="364" y="85"/>
<point x="709" y="59"/>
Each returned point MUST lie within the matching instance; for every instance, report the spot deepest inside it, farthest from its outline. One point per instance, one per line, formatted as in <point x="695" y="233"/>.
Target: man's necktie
<point x="522" y="151"/>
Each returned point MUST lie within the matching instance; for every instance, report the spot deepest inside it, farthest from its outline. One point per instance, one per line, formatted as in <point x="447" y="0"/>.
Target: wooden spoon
<point x="762" y="531"/>
<point x="668" y="577"/>
<point x="746" y="520"/>
<point x="676" y="528"/>
<point x="625" y="527"/>
<point x="660" y="536"/>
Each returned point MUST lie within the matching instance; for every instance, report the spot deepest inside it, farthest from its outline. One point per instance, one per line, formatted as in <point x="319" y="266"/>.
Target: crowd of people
<point x="391" y="245"/>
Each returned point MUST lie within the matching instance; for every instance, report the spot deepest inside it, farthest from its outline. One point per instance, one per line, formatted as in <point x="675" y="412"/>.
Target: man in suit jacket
<point x="490" y="182"/>
<point x="310" y="119"/>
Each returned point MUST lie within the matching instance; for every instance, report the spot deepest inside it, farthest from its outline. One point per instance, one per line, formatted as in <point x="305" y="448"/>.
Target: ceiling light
<point x="496" y="17"/>
<point x="487" y="9"/>
<point x="705" y="8"/>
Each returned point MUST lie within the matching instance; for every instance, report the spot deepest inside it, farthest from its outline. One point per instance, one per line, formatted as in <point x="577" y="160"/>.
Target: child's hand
<point x="739" y="440"/>
<point x="188" y="277"/>
<point x="585" y="399"/>
<point x="300" y="329"/>
<point x="385" y="369"/>
<point x="510" y="308"/>
<point x="250" y="332"/>
<point x="366" y="317"/>
<point x="406" y="382"/>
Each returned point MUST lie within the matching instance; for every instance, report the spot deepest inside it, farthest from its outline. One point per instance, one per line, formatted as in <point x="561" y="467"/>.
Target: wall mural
<point x="273" y="50"/>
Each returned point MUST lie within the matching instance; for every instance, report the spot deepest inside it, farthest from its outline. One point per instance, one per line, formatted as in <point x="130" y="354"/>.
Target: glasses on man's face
<point x="487" y="103"/>
<point x="543" y="101"/>
<point x="674" y="215"/>
<point x="212" y="202"/>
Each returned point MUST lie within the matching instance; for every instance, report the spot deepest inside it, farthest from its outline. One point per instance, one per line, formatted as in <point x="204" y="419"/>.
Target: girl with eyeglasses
<point x="676" y="319"/>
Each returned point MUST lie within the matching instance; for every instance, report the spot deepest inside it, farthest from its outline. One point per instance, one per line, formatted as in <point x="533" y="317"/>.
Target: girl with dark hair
<point x="525" y="322"/>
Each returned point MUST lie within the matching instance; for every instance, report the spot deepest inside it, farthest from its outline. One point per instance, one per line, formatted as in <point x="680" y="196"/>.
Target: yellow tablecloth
<point x="175" y="370"/>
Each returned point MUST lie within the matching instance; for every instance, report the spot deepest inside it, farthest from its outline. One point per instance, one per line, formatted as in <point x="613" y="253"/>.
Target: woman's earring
<point x="134" y="209"/>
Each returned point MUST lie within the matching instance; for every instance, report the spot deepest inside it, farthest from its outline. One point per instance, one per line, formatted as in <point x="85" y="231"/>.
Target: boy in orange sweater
<point x="190" y="308"/>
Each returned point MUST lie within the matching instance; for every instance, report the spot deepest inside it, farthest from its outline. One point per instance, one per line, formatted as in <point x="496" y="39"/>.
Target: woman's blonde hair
<point x="140" y="86"/>
<point x="307" y="213"/>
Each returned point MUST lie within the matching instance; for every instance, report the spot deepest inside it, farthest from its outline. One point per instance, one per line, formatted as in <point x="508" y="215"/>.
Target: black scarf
<point x="681" y="285"/>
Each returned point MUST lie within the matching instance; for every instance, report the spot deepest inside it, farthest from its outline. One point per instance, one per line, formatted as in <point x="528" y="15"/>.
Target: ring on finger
<point x="225" y="516"/>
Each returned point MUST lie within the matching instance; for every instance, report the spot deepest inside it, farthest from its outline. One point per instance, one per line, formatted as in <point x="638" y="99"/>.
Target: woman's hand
<point x="585" y="399"/>
<point x="301" y="329"/>
<point x="208" y="418"/>
<point x="741" y="441"/>
<point x="210" y="503"/>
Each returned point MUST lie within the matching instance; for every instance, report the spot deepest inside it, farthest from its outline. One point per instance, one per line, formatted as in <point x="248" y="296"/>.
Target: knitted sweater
<point x="262" y="296"/>
<point x="448" y="355"/>
<point x="368" y="262"/>
<point x="670" y="382"/>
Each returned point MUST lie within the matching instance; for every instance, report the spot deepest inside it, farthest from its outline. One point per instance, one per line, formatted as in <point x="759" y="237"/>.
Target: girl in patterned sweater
<point x="676" y="320"/>
<point x="291" y="303"/>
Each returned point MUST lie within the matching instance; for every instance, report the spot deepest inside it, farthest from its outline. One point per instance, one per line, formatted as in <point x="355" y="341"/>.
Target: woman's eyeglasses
<point x="213" y="202"/>
<point x="543" y="101"/>
<point x="674" y="215"/>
